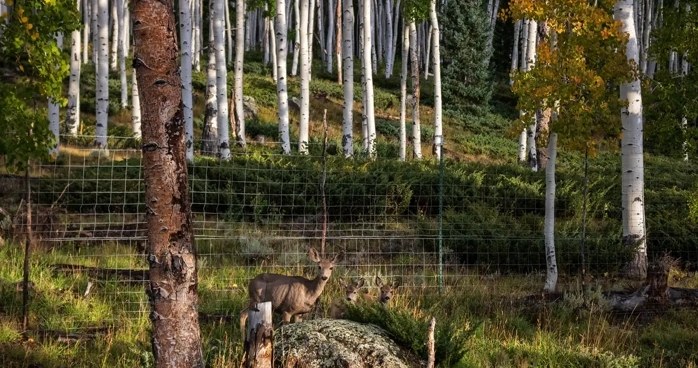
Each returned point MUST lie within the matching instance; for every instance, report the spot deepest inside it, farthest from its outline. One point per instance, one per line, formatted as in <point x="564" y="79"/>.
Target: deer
<point x="386" y="290"/>
<point x="351" y="294"/>
<point x="290" y="296"/>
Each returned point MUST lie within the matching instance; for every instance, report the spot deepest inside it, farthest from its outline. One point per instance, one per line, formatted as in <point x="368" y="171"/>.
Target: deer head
<point x="386" y="290"/>
<point x="351" y="290"/>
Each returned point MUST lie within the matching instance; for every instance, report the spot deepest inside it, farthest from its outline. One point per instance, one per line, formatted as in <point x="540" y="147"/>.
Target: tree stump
<point x="259" y="339"/>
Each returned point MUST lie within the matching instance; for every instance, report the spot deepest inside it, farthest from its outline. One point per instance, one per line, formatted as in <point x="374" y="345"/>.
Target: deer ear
<point x="360" y="283"/>
<point x="379" y="282"/>
<point x="313" y="255"/>
<point x="339" y="256"/>
<point x="342" y="283"/>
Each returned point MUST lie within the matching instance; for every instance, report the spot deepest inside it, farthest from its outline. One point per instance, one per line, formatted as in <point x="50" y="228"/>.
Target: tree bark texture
<point x="550" y="259"/>
<point x="438" y="126"/>
<point x="281" y="75"/>
<point x="172" y="291"/>
<point x="239" y="59"/>
<point x="348" y="77"/>
<point x="102" y="74"/>
<point x="185" y="37"/>
<point x="72" y="117"/>
<point x="632" y="161"/>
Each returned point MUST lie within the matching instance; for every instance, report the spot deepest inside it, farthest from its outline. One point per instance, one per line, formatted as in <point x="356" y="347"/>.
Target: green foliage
<point x="467" y="81"/>
<point x="34" y="69"/>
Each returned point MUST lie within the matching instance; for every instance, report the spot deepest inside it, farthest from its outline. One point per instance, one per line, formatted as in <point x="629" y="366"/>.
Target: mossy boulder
<point x="329" y="343"/>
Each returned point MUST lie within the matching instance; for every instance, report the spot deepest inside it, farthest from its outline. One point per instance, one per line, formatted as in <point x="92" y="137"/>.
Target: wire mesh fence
<point x="424" y="224"/>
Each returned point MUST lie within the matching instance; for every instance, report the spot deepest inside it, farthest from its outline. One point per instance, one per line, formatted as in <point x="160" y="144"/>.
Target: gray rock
<point x="249" y="105"/>
<point x="330" y="343"/>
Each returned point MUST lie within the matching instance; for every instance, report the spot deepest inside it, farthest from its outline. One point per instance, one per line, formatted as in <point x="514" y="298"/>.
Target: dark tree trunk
<point x="172" y="289"/>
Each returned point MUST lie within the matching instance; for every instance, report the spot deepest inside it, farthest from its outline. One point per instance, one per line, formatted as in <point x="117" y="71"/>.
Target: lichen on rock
<point x="329" y="343"/>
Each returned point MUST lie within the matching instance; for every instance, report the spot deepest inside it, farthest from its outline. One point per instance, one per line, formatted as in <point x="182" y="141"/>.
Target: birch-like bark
<point x="94" y="21"/>
<point x="550" y="259"/>
<point x="72" y="111"/>
<point x="239" y="59"/>
<point x="428" y="50"/>
<point x="438" y="125"/>
<point x="330" y="40"/>
<point x="114" y="19"/>
<point x="370" y="4"/>
<point x="136" y="108"/>
<point x="632" y="161"/>
<point x="368" y="89"/>
<point x="338" y="41"/>
<point x="532" y="40"/>
<point x="389" y="39"/>
<point x="515" y="51"/>
<point x="311" y="33"/>
<point x="228" y="33"/>
<point x="522" y="146"/>
<point x="185" y="36"/>
<point x="272" y="47"/>
<point x="210" y="132"/>
<point x="414" y="63"/>
<point x="281" y="77"/>
<point x="348" y="77"/>
<point x="297" y="43"/>
<point x="87" y="11"/>
<point x="396" y="17"/>
<point x="403" y="92"/>
<point x="304" y="121"/>
<point x="102" y="75"/>
<point x="221" y="79"/>
<point x="646" y="29"/>
<point x="121" y="51"/>
<point x="54" y="118"/>
<point x="523" y="62"/>
<point x="195" y="37"/>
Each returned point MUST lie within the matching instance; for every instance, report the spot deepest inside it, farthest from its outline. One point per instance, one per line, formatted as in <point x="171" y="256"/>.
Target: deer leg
<point x="286" y="317"/>
<point x="298" y="318"/>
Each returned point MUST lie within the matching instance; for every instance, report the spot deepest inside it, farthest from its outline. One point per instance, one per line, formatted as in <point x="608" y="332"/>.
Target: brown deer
<point x="351" y="294"/>
<point x="290" y="296"/>
<point x="386" y="290"/>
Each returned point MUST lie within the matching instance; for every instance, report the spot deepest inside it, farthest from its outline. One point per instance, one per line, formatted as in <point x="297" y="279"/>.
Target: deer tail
<point x="243" y="320"/>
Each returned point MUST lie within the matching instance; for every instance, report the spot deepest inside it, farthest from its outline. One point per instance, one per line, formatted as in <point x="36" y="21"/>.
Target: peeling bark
<point x="176" y="339"/>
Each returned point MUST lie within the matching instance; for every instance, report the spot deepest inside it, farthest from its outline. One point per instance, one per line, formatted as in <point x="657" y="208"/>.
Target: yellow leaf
<point x="35" y="35"/>
<point x="29" y="26"/>
<point x="21" y="68"/>
<point x="24" y="19"/>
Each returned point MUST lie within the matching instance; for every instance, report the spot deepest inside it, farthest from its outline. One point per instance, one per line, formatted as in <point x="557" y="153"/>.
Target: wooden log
<point x="259" y="338"/>
<point x="431" y="346"/>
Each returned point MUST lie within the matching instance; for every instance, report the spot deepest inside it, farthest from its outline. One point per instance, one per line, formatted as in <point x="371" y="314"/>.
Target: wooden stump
<point x="259" y="338"/>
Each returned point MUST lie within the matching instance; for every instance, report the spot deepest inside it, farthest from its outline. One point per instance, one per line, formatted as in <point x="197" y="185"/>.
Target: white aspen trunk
<point x="515" y="51"/>
<point x="297" y="44"/>
<point x="311" y="34"/>
<point x="403" y="91"/>
<point x="210" y="132"/>
<point x="368" y="91"/>
<point x="414" y="63"/>
<point x="428" y="48"/>
<point x="228" y="33"/>
<point x="304" y="121"/>
<point x="632" y="161"/>
<point x="370" y="4"/>
<point x="532" y="43"/>
<point x="338" y="41"/>
<point x="389" y="39"/>
<point x="321" y="29"/>
<point x="114" y="19"/>
<point x="532" y="149"/>
<point x="121" y="51"/>
<point x="274" y="56"/>
<point x="195" y="35"/>
<point x="221" y="79"/>
<point x="185" y="37"/>
<point x="522" y="145"/>
<point x="330" y="40"/>
<point x="95" y="30"/>
<point x="239" y="59"/>
<point x="72" y="111"/>
<point x="86" y="22"/>
<point x="647" y="28"/>
<point x="126" y="40"/>
<point x="281" y="78"/>
<point x="102" y="75"/>
<point x="362" y="50"/>
<point x="396" y="17"/>
<point x="438" y="125"/>
<point x="524" y="46"/>
<point x="54" y="118"/>
<point x="348" y="77"/>
<point x="377" y="19"/>
<point x="265" y="41"/>
<point x="136" y="108"/>
<point x="550" y="259"/>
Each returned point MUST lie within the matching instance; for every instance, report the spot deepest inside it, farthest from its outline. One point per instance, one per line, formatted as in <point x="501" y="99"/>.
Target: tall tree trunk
<point x="102" y="75"/>
<point x="330" y="40"/>
<point x="532" y="41"/>
<point x="87" y="11"/>
<point x="522" y="146"/>
<point x="121" y="52"/>
<point x="311" y="33"/>
<point x="136" y="108"/>
<point x="72" y="113"/>
<point x="403" y="91"/>
<point x="297" y="43"/>
<point x="632" y="162"/>
<point x="272" y="49"/>
<point x="54" y="118"/>
<point x="367" y="65"/>
<point x="221" y="79"/>
<point x="550" y="259"/>
<point x="414" y="64"/>
<point x="172" y="289"/>
<point x="114" y="19"/>
<point x="515" y="52"/>
<point x="210" y="132"/>
<point x="281" y="76"/>
<point x="389" y="39"/>
<point x="185" y="37"/>
<point x="195" y="30"/>
<point x="304" y="121"/>
<point x="428" y="49"/>
<point x="228" y="33"/>
<point x="348" y="74"/>
<point x="94" y="21"/>
<point x="438" y="127"/>
<point x="338" y="41"/>
<point x="524" y="45"/>
<point x="239" y="59"/>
